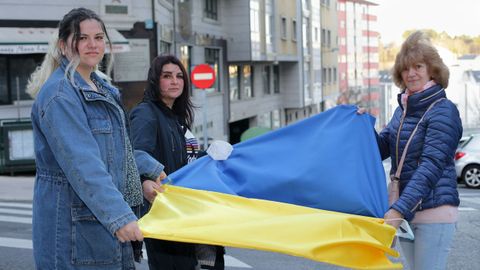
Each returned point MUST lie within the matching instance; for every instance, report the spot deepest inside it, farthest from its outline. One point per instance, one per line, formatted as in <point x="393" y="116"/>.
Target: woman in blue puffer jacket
<point x="428" y="184"/>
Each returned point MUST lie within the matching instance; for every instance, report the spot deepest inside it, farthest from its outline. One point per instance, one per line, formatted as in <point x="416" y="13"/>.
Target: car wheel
<point x="471" y="176"/>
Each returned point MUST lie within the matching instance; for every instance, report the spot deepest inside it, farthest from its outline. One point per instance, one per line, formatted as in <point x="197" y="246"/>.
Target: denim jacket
<point x="81" y="171"/>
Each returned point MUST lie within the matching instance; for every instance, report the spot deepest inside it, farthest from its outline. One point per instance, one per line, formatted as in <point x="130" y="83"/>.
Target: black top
<point x="156" y="130"/>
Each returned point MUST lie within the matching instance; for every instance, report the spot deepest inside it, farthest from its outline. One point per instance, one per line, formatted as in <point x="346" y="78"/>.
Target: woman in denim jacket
<point x="87" y="182"/>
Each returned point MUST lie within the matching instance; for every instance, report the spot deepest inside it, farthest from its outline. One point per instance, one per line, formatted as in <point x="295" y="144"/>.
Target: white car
<point x="467" y="160"/>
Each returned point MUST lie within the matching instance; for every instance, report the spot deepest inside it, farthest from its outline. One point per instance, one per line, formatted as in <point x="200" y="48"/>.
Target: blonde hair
<point x="50" y="63"/>
<point x="418" y="48"/>
<point x="68" y="26"/>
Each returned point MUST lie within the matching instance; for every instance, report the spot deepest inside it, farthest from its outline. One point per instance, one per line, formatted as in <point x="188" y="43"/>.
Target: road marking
<point x="471" y="200"/>
<point x="23" y="220"/>
<point x="234" y="262"/>
<point x="466" y="209"/>
<point x="27" y="244"/>
<point x="15" y="211"/>
<point x="17" y="205"/>
<point x="15" y="243"/>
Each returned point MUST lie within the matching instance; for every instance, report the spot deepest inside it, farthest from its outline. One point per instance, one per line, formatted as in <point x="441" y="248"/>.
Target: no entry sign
<point x="203" y="76"/>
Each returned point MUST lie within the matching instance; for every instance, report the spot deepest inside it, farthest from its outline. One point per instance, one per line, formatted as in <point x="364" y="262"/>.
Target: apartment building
<point x="267" y="54"/>
<point x="358" y="54"/>
<point x="329" y="38"/>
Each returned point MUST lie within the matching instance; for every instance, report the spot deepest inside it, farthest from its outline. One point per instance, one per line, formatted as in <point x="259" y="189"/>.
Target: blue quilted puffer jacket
<point x="428" y="176"/>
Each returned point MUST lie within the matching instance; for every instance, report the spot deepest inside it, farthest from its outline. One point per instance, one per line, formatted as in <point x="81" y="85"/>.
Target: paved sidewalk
<point x="16" y="188"/>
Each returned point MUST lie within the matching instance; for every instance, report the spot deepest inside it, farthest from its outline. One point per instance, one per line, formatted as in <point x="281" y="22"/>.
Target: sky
<point x="454" y="17"/>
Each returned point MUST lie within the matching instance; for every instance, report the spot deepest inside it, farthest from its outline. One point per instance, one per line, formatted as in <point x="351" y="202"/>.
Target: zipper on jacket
<point x="398" y="134"/>
<point x="432" y="95"/>
<point x="417" y="206"/>
<point x="173" y="139"/>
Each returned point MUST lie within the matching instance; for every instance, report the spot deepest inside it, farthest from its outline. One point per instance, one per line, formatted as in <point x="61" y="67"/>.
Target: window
<point x="212" y="57"/>
<point x="234" y="82"/>
<point x="247" y="81"/>
<point x="164" y="47"/>
<point x="16" y="70"/>
<point x="334" y="75"/>
<point x="255" y="18"/>
<point x="294" y="30"/>
<point x="284" y="28"/>
<point x="324" y="76"/>
<point x="325" y="3"/>
<point x="185" y="52"/>
<point x="211" y="9"/>
<point x="4" y="88"/>
<point x="276" y="119"/>
<point x="276" y="80"/>
<point x="116" y="9"/>
<point x="264" y="120"/>
<point x="323" y="37"/>
<point x="269" y="25"/>
<point x="266" y="80"/>
<point x="329" y="39"/>
<point x="329" y="79"/>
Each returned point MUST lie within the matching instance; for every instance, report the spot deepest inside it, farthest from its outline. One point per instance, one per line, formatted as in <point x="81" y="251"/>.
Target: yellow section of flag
<point x="197" y="216"/>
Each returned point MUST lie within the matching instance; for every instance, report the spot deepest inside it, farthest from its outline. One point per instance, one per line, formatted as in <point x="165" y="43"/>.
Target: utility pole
<point x="155" y="30"/>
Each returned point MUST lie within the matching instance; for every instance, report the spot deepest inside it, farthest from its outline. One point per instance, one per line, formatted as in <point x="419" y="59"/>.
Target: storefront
<point x="21" y="51"/>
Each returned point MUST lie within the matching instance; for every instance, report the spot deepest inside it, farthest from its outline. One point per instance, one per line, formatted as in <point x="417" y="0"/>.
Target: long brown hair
<point x="182" y="106"/>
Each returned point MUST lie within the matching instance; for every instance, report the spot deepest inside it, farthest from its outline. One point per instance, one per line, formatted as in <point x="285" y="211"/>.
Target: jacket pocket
<point x="100" y="125"/>
<point x="92" y="244"/>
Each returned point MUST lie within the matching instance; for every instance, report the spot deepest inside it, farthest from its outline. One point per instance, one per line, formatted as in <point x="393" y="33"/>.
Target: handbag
<point x="394" y="185"/>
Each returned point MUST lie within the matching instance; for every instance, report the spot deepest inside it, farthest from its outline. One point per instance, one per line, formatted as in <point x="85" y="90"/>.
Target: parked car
<point x="467" y="160"/>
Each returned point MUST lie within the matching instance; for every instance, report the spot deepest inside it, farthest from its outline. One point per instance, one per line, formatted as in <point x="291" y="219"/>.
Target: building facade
<point x="276" y="61"/>
<point x="267" y="54"/>
<point x="358" y="54"/>
<point x="329" y="38"/>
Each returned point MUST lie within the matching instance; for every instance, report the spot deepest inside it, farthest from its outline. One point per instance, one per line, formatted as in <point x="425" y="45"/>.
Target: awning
<point x="14" y="40"/>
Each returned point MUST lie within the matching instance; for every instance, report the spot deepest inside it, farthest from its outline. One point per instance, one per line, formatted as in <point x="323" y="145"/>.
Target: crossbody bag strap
<point x="404" y="154"/>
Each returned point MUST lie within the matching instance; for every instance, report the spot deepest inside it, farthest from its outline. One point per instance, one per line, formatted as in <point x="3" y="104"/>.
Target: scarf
<point x="408" y="92"/>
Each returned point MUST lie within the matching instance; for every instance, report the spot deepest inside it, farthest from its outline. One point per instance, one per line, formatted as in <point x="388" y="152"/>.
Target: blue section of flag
<point x="329" y="161"/>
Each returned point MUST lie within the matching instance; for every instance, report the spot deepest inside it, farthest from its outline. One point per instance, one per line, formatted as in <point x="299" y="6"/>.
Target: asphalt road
<point x="16" y="252"/>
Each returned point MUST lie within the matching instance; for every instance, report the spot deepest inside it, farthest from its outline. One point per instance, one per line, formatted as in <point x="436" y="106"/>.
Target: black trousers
<point x="219" y="260"/>
<point x="169" y="255"/>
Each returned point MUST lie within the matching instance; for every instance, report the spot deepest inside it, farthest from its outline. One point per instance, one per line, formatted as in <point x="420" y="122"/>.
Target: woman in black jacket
<point x="160" y="126"/>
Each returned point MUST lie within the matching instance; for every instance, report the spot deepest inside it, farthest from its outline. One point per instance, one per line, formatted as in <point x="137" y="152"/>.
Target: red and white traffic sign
<point x="203" y="76"/>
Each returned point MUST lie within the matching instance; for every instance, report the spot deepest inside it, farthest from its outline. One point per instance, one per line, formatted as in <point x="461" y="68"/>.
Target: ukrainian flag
<point x="315" y="189"/>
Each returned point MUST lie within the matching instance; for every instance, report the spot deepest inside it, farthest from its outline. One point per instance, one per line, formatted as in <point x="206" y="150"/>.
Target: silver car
<point x="467" y="160"/>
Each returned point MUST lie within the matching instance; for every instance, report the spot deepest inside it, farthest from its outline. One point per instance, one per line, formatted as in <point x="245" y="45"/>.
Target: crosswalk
<point x="21" y="213"/>
<point x="17" y="214"/>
